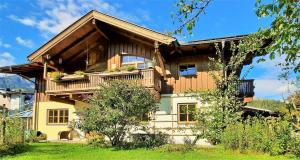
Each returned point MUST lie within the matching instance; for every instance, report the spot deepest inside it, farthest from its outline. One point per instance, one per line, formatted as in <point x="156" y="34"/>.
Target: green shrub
<point x="31" y="136"/>
<point x="260" y="135"/>
<point x="175" y="148"/>
<point x="149" y="140"/>
<point x="79" y="73"/>
<point x="96" y="140"/>
<point x="12" y="149"/>
<point x="294" y="146"/>
<point x="131" y="68"/>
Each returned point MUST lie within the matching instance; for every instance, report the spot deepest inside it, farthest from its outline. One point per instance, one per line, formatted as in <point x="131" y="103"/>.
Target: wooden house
<point x="99" y="45"/>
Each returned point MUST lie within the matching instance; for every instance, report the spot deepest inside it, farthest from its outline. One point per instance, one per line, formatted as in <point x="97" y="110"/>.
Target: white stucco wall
<point x="166" y="119"/>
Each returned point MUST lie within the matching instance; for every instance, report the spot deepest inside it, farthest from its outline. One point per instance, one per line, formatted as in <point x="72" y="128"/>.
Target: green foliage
<point x="31" y="136"/>
<point x="284" y="30"/>
<point x="149" y="140"/>
<point x="293" y="145"/>
<point x="11" y="134"/>
<point x="272" y="105"/>
<point x="34" y="136"/>
<point x="115" y="108"/>
<point x="188" y="12"/>
<point x="56" y="75"/>
<point x="96" y="140"/>
<point x="79" y="73"/>
<point x="128" y="68"/>
<point x="175" y="148"/>
<point x="224" y="101"/>
<point x="273" y="135"/>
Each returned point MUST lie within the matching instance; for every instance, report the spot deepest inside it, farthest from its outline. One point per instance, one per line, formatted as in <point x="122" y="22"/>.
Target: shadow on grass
<point x="14" y="150"/>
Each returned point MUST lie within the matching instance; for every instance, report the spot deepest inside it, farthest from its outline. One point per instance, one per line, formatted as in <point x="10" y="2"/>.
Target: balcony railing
<point x="246" y="88"/>
<point x="149" y="78"/>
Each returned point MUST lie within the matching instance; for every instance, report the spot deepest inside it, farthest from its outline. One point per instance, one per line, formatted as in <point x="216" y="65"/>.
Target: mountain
<point x="15" y="82"/>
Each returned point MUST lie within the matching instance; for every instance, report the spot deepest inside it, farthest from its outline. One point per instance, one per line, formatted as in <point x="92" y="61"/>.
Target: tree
<point x="116" y="107"/>
<point x="284" y="30"/>
<point x="224" y="102"/>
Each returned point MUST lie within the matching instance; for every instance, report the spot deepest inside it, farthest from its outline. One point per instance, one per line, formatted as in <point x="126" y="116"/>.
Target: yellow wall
<point x="52" y="129"/>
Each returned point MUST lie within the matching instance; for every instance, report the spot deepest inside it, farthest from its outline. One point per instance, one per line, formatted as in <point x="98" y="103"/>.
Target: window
<point x="186" y="112"/>
<point x="58" y="116"/>
<point x="138" y="62"/>
<point x="187" y="70"/>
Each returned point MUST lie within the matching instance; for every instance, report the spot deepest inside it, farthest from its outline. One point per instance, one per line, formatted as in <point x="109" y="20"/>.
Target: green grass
<point x="58" y="151"/>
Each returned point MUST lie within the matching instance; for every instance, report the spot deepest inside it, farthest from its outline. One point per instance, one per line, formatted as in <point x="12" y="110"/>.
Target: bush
<point x="175" y="148"/>
<point x="261" y="135"/>
<point x="31" y="136"/>
<point x="12" y="149"/>
<point x="149" y="140"/>
<point x="294" y="146"/>
<point x="34" y="136"/>
<point x="96" y="140"/>
<point x="115" y="108"/>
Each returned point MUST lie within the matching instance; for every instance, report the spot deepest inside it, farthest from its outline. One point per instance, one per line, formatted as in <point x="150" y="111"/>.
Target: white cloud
<point x="6" y="59"/>
<point x="5" y="45"/>
<point x="266" y="79"/>
<point x="24" y="42"/>
<point x="58" y="14"/>
<point x="26" y="20"/>
<point x="273" y="88"/>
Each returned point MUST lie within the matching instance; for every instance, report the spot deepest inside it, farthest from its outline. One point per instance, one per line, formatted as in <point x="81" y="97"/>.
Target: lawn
<point x="57" y="151"/>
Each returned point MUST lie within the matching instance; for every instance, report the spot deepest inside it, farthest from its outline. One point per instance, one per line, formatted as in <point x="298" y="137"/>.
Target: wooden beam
<point x="132" y="37"/>
<point x="45" y="71"/>
<point x="80" y="53"/>
<point x="160" y="59"/>
<point x="99" y="30"/>
<point x="75" y="43"/>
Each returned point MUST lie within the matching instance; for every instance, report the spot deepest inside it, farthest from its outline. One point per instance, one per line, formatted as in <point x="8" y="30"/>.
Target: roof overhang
<point x="127" y="26"/>
<point x="28" y="70"/>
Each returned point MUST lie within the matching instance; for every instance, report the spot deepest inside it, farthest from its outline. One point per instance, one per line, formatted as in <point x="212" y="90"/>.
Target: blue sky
<point x="28" y="24"/>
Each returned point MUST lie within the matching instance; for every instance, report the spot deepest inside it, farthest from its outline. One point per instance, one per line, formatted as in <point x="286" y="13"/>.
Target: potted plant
<point x="56" y="76"/>
<point x="130" y="68"/>
<point x="77" y="75"/>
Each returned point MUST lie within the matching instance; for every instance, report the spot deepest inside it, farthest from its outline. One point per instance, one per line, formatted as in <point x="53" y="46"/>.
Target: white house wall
<point x="166" y="119"/>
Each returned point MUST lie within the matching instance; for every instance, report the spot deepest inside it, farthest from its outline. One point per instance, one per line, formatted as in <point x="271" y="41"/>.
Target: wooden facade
<point x="180" y="84"/>
<point x="96" y="44"/>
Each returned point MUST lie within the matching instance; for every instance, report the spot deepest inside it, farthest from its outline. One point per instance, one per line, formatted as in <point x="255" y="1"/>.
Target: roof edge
<point x="131" y="27"/>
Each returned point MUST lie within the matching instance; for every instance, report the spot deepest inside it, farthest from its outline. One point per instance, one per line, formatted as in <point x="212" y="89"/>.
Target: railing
<point x="148" y="78"/>
<point x="246" y="88"/>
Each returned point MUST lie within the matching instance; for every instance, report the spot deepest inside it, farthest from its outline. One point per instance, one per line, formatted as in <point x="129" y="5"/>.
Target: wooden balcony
<point x="246" y="88"/>
<point x="149" y="78"/>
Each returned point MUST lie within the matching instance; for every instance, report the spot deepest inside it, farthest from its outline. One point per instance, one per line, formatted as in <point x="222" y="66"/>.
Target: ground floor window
<point x="186" y="112"/>
<point x="58" y="116"/>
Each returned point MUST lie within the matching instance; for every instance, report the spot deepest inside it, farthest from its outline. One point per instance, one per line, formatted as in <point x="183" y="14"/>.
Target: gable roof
<point x="139" y="30"/>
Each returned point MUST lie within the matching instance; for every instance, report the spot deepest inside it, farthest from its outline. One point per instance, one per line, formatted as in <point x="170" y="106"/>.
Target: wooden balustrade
<point x="149" y="78"/>
<point x="246" y="88"/>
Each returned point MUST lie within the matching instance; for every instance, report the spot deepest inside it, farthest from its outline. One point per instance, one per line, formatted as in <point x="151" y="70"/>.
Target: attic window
<point x="187" y="70"/>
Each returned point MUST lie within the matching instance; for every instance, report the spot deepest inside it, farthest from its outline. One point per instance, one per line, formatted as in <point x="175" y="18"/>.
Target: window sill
<point x="57" y="124"/>
<point x="187" y="123"/>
